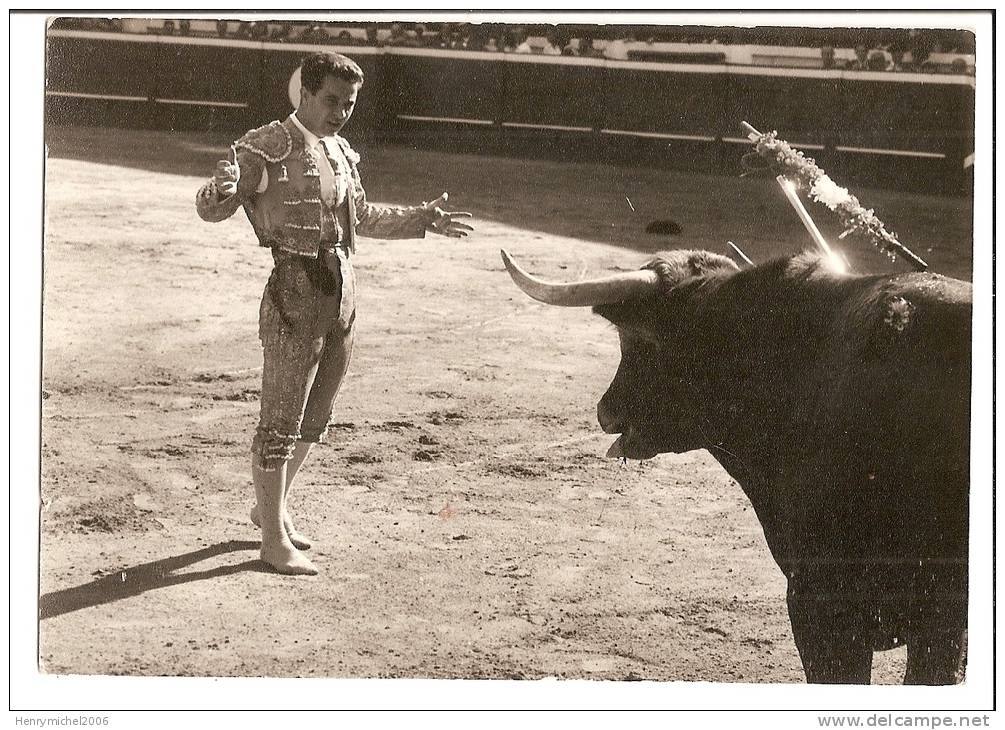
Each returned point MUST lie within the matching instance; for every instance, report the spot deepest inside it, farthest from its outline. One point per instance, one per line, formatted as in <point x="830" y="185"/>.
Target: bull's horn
<point x="611" y="289"/>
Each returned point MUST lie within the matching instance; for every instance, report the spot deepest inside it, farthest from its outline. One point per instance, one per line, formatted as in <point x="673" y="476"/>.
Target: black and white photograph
<point x="619" y="360"/>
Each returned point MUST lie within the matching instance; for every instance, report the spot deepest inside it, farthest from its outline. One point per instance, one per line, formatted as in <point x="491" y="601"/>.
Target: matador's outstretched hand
<point x="443" y="222"/>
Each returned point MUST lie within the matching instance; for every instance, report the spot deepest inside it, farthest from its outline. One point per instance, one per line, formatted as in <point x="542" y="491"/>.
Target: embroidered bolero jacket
<point x="288" y="214"/>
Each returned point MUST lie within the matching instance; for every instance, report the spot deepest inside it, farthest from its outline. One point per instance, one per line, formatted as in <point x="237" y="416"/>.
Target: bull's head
<point x="652" y="400"/>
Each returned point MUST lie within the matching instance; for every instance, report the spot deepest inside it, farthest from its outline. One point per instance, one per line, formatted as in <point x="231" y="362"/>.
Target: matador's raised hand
<point x="443" y="222"/>
<point x="226" y="176"/>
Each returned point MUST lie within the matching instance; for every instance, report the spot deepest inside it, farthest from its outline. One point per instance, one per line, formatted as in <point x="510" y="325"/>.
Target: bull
<point x="841" y="405"/>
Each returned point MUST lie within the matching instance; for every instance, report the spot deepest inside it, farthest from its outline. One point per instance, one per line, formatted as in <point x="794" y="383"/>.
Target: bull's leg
<point x="832" y="640"/>
<point x="936" y="657"/>
<point x="937" y="632"/>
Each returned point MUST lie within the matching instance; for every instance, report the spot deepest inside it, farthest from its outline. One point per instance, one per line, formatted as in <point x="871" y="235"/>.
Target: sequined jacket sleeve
<point x="208" y="201"/>
<point x="383" y="221"/>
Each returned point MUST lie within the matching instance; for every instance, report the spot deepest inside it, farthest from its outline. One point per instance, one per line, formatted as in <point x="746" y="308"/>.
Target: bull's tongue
<point x="629" y="446"/>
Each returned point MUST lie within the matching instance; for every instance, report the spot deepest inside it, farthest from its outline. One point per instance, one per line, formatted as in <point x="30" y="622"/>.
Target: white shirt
<point x="329" y="193"/>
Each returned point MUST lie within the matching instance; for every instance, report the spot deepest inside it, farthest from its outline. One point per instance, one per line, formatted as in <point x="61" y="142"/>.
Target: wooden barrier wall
<point x="912" y="128"/>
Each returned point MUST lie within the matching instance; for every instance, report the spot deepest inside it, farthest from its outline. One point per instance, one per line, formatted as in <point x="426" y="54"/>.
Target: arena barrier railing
<point x="661" y="113"/>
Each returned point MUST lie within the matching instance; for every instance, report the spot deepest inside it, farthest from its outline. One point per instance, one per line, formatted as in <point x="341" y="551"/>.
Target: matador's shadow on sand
<point x="138" y="579"/>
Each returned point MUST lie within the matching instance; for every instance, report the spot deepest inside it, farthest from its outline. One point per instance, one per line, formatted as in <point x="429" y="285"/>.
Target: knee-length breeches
<point x="306" y="328"/>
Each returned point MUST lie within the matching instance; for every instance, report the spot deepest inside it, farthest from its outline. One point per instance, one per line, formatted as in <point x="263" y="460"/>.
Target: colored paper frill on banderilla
<point x="785" y="160"/>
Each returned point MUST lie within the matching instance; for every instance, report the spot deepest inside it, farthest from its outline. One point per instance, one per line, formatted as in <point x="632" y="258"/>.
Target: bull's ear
<point x="639" y="319"/>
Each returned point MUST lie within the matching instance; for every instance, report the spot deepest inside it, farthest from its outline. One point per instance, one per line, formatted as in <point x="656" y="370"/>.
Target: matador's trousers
<point x="306" y="328"/>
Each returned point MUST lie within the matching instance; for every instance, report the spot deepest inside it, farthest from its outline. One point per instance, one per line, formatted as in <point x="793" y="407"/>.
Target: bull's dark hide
<point x="841" y="404"/>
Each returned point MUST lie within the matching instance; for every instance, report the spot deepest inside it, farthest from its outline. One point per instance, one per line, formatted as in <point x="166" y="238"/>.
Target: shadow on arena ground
<point x="138" y="579"/>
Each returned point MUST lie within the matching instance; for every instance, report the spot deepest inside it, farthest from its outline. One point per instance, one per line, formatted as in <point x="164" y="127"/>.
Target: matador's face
<point x="326" y="111"/>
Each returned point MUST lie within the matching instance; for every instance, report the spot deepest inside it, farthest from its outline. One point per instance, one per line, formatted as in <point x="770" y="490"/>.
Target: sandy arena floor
<point x="465" y="519"/>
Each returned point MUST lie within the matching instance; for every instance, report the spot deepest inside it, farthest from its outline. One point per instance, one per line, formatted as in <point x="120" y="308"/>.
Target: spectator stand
<point x="668" y="112"/>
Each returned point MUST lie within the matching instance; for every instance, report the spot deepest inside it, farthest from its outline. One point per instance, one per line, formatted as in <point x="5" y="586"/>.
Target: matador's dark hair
<point x="317" y="66"/>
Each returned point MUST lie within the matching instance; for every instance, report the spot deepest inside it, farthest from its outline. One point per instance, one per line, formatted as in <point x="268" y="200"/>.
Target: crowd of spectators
<point x="910" y="53"/>
<point x="874" y="49"/>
